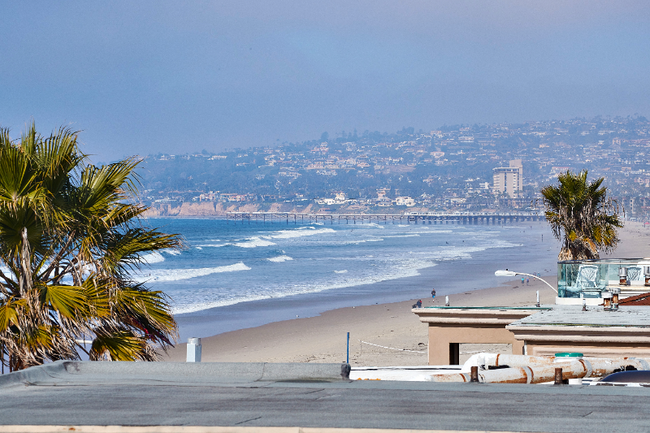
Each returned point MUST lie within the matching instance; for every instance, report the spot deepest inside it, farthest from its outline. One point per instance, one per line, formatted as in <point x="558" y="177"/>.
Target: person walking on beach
<point x="433" y="294"/>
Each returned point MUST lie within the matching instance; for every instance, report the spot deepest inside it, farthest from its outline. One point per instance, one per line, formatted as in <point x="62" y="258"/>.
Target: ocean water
<point x="233" y="275"/>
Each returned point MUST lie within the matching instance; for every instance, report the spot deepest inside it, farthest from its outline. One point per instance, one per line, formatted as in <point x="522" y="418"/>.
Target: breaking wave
<point x="186" y="274"/>
<point x="279" y="259"/>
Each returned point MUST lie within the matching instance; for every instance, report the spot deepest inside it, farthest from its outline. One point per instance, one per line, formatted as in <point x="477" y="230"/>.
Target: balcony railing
<point x="593" y="277"/>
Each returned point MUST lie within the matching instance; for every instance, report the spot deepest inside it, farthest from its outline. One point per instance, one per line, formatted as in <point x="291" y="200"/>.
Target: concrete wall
<point x="606" y="350"/>
<point x="443" y="341"/>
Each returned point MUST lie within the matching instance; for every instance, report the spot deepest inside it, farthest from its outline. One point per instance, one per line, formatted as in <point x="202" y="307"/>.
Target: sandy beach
<point x="380" y="335"/>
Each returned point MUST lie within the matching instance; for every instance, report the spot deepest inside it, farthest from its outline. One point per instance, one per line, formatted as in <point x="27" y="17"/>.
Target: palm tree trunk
<point x="25" y="265"/>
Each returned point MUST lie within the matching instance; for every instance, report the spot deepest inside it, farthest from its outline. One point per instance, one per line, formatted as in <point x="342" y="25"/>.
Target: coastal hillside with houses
<point x="460" y="168"/>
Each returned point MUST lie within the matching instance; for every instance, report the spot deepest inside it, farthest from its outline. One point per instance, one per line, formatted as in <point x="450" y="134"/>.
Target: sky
<point x="148" y="76"/>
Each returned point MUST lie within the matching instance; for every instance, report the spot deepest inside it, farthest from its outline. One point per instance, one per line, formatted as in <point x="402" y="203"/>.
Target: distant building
<point x="556" y="171"/>
<point x="340" y="198"/>
<point x="405" y="201"/>
<point x="509" y="180"/>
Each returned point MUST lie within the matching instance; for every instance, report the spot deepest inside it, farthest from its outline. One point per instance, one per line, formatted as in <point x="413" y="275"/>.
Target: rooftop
<point x="627" y="316"/>
<point x="243" y="397"/>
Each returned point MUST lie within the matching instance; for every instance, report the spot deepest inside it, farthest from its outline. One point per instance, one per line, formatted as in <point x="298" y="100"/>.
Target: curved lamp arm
<point x="508" y="273"/>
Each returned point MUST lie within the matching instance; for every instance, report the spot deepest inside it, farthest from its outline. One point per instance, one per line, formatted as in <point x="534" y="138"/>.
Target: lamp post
<point x="507" y="273"/>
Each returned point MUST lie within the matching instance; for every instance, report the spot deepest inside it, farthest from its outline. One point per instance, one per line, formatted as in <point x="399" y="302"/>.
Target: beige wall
<point x="598" y="351"/>
<point x="449" y="327"/>
<point x="440" y="338"/>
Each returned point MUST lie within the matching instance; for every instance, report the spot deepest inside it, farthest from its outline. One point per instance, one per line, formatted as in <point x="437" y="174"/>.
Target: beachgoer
<point x="433" y="294"/>
<point x="522" y="280"/>
<point x="527" y="281"/>
<point x="419" y="303"/>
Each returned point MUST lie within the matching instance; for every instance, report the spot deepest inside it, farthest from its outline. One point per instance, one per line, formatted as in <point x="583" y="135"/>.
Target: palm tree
<point x="70" y="235"/>
<point x="581" y="216"/>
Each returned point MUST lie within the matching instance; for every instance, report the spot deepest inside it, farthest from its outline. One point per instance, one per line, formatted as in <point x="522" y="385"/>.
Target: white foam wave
<point x="172" y="252"/>
<point x="254" y="242"/>
<point x="153" y="257"/>
<point x="385" y="266"/>
<point x="267" y="240"/>
<point x="369" y="224"/>
<point x="408" y="268"/>
<point x="477" y="234"/>
<point x="279" y="259"/>
<point x="451" y="252"/>
<point x="290" y="234"/>
<point x="362" y="241"/>
<point x="186" y="274"/>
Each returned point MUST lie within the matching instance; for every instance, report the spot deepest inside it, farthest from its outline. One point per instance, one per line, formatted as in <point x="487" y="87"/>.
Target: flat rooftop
<point x="626" y="316"/>
<point x="259" y="395"/>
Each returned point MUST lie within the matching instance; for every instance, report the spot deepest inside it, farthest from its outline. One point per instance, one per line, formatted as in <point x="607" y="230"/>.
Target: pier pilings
<point x="465" y="218"/>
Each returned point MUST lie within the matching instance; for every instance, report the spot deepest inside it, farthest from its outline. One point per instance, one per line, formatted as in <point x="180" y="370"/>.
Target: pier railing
<point x="405" y="218"/>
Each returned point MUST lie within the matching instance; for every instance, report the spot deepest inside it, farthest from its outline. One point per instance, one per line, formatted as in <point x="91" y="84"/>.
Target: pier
<point x="473" y="218"/>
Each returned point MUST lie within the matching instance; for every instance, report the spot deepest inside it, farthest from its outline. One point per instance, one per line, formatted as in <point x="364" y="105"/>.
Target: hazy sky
<point x="143" y="77"/>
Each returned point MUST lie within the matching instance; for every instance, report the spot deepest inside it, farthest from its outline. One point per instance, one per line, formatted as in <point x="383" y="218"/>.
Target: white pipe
<point x="449" y="377"/>
<point x="535" y="374"/>
<point x="529" y="374"/>
<point x="485" y="360"/>
<point x="538" y="369"/>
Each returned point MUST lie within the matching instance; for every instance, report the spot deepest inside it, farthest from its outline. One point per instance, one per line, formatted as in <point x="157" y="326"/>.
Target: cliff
<point x="216" y="210"/>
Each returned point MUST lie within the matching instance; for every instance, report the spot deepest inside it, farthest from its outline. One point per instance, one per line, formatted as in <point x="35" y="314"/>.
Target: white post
<point x="446" y="301"/>
<point x="538" y="298"/>
<point x="193" y="350"/>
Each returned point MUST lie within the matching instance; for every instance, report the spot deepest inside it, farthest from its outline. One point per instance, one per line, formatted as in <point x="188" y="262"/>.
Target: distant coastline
<point x="220" y="209"/>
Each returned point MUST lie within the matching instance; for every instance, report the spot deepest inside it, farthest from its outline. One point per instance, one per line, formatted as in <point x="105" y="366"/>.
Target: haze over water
<point x="174" y="77"/>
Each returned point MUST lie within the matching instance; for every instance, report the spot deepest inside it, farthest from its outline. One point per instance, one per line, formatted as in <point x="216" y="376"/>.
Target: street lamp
<point x="507" y="273"/>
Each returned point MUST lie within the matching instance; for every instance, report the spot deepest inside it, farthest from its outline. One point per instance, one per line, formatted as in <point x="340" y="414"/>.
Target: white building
<point x="405" y="201"/>
<point x="509" y="180"/>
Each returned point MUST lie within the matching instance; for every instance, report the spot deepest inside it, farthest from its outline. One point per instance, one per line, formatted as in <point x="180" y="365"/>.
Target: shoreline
<point x="322" y="337"/>
<point x="527" y="250"/>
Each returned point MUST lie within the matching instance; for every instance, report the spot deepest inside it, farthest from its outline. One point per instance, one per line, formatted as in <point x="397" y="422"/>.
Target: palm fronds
<point x="581" y="216"/>
<point x="70" y="235"/>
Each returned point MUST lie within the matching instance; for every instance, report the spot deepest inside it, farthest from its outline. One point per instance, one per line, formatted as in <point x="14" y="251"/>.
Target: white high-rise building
<point x="509" y="180"/>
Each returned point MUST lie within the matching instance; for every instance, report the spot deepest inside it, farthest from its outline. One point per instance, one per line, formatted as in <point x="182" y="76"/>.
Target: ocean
<point x="234" y="275"/>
